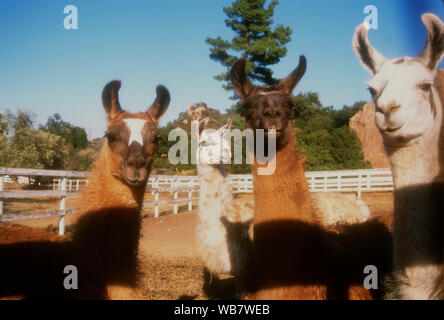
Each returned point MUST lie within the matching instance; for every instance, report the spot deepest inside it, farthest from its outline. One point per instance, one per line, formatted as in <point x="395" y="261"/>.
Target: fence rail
<point x="68" y="183"/>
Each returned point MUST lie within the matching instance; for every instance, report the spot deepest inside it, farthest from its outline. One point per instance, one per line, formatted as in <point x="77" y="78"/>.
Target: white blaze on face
<point x="135" y="126"/>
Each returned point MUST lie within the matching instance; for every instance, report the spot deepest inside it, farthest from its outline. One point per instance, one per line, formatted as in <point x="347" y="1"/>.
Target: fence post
<point x="359" y="184"/>
<point x="62" y="207"/>
<point x="368" y="176"/>
<point x="190" y="202"/>
<point x="156" y="204"/>
<point x="154" y="185"/>
<point x="176" y="185"/>
<point x="176" y="203"/>
<point x="2" y="181"/>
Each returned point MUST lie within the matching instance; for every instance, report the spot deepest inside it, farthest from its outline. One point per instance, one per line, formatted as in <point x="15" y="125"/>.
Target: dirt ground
<point x="173" y="269"/>
<point x="171" y="266"/>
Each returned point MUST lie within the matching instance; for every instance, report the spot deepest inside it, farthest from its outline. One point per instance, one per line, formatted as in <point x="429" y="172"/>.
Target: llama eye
<point x="157" y="138"/>
<point x="372" y="91"/>
<point x="425" y="86"/>
<point x="111" y="136"/>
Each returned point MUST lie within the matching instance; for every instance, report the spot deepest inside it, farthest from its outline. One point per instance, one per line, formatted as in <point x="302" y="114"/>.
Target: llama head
<point x="402" y="89"/>
<point x="214" y="148"/>
<point x="267" y="107"/>
<point x="132" y="137"/>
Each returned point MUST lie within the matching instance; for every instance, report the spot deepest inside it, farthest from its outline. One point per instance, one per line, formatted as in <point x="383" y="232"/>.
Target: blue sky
<point x="47" y="69"/>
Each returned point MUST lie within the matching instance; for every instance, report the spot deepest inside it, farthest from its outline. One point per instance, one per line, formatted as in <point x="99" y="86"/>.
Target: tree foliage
<point x="71" y="135"/>
<point x="55" y="145"/>
<point x="324" y="136"/>
<point x="26" y="147"/>
<point x="255" y="39"/>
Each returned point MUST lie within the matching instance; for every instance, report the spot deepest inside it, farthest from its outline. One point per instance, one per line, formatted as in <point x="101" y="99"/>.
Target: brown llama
<point x="104" y="245"/>
<point x="294" y="257"/>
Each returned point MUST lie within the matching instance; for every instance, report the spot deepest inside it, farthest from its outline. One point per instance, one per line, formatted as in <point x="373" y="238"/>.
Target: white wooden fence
<point x="179" y="184"/>
<point x="61" y="192"/>
<point x="68" y="183"/>
<point x="71" y="184"/>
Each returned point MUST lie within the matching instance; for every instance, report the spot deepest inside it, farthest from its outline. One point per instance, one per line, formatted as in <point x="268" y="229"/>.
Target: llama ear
<point x="434" y="46"/>
<point x="370" y="58"/>
<point x="161" y="103"/>
<point x="203" y="124"/>
<point x="224" y="129"/>
<point x="110" y="99"/>
<point x="239" y="79"/>
<point x="289" y="83"/>
<point x="225" y="222"/>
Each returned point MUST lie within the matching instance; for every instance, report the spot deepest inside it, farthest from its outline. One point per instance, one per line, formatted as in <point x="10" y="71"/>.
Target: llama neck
<point x="107" y="232"/>
<point x="418" y="204"/>
<point x="285" y="193"/>
<point x="419" y="163"/>
<point x="416" y="164"/>
<point x="215" y="193"/>
<point x="106" y="191"/>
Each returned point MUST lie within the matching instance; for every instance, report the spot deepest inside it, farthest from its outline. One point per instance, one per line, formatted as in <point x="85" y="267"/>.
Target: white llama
<point x="222" y="229"/>
<point x="409" y="117"/>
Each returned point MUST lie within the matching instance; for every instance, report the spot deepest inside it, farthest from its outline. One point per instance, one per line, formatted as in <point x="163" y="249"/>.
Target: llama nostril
<point x="135" y="163"/>
<point x="269" y="113"/>
<point x="379" y="109"/>
<point x="131" y="164"/>
<point x="394" y="108"/>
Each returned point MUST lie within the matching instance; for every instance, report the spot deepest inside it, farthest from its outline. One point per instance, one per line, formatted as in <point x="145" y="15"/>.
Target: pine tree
<point x="255" y="39"/>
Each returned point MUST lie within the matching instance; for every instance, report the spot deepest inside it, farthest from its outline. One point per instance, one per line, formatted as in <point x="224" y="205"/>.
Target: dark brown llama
<point x="104" y="245"/>
<point x="293" y="256"/>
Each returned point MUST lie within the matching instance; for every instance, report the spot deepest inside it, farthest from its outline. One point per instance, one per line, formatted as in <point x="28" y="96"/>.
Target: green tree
<point x="78" y="138"/>
<point x="57" y="126"/>
<point x="4" y="130"/>
<point x="347" y="149"/>
<point x="255" y="39"/>
<point x="305" y="107"/>
<point x="324" y="136"/>
<point x="342" y="116"/>
<point x="27" y="147"/>
<point x="74" y="136"/>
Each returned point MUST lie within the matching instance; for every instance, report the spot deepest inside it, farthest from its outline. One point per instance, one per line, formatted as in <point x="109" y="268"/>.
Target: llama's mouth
<point x="389" y="130"/>
<point x="134" y="177"/>
<point x="134" y="183"/>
